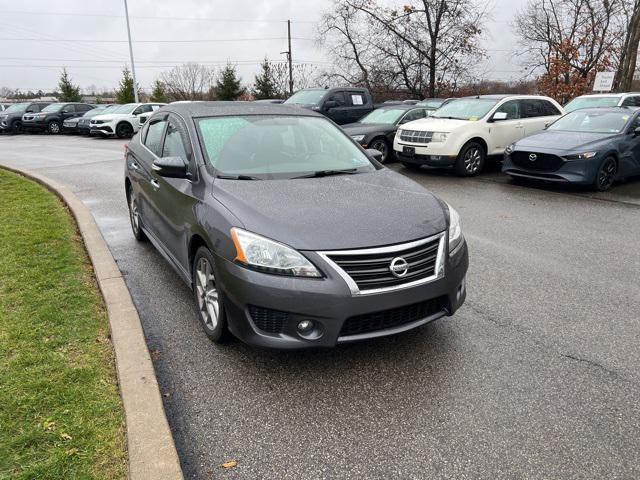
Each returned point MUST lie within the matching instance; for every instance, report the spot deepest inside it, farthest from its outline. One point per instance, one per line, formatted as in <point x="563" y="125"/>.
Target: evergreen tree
<point x="228" y="84"/>
<point x="125" y="93"/>
<point x="68" y="91"/>
<point x="264" y="84"/>
<point x="159" y="93"/>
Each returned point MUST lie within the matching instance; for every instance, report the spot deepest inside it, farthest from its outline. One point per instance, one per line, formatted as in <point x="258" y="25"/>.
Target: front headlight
<point x="358" y="138"/>
<point x="455" y="229"/>
<point x="105" y="120"/>
<point x="269" y="256"/>
<point x="581" y="156"/>
<point x="510" y="148"/>
<point x="439" y="137"/>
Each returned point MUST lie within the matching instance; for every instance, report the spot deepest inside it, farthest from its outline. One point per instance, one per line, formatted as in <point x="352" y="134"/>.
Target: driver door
<point x="504" y="131"/>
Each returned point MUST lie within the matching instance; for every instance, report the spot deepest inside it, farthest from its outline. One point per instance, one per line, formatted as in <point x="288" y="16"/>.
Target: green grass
<point x="60" y="411"/>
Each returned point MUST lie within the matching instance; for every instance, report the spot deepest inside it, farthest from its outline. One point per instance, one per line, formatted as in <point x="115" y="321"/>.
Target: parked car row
<point x="121" y="121"/>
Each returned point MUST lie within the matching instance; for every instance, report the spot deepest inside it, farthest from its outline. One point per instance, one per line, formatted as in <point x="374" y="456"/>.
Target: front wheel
<point x="382" y="146"/>
<point x="54" y="127"/>
<point x="124" y="130"/>
<point x="471" y="160"/>
<point x="16" y="127"/>
<point x="207" y="294"/>
<point x="606" y="175"/>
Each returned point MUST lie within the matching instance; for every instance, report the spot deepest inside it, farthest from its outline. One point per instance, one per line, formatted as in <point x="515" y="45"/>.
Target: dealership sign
<point x="603" y="82"/>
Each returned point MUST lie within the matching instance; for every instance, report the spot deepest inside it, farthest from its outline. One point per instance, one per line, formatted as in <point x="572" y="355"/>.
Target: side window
<point x="533" y="108"/>
<point x="633" y="101"/>
<point x="84" y="108"/>
<point x="142" y="109"/>
<point x="69" y="109"/>
<point x="511" y="108"/>
<point x="338" y="97"/>
<point x="549" y="108"/>
<point x="153" y="140"/>
<point x="356" y="99"/>
<point x="635" y="124"/>
<point x="414" y="115"/>
<point x="175" y="142"/>
<point x="155" y="107"/>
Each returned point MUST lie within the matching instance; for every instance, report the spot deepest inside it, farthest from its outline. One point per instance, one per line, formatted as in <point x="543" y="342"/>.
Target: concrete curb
<point x="151" y="450"/>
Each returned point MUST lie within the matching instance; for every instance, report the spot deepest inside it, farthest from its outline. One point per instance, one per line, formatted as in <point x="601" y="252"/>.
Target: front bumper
<point x="328" y="302"/>
<point x="579" y="172"/>
<point x="101" y="129"/>
<point x="35" y="124"/>
<point x="434" y="154"/>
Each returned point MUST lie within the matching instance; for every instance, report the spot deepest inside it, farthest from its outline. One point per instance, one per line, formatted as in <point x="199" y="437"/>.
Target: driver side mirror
<point x="171" y="167"/>
<point x="499" y="116"/>
<point x="330" y="104"/>
<point x="375" y="154"/>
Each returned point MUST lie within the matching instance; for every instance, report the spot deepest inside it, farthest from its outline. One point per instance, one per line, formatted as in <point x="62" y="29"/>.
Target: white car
<point x="464" y="132"/>
<point x="604" y="100"/>
<point x="122" y="122"/>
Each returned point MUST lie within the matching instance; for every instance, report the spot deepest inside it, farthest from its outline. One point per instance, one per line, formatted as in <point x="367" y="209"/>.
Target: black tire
<point x="54" y="127"/>
<point x="606" y="175"/>
<point x="208" y="297"/>
<point x="134" y="216"/>
<point x="411" y="166"/>
<point x="471" y="160"/>
<point x="124" y="130"/>
<point x="16" y="127"/>
<point x="382" y="145"/>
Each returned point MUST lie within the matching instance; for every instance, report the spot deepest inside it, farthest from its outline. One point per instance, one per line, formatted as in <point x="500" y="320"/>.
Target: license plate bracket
<point x="409" y="151"/>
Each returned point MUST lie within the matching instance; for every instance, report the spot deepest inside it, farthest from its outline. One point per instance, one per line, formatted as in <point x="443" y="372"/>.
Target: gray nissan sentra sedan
<point x="288" y="232"/>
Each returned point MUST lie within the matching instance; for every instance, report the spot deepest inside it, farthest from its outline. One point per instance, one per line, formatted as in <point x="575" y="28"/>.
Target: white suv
<point x="603" y="100"/>
<point x="122" y="122"/>
<point x="465" y="131"/>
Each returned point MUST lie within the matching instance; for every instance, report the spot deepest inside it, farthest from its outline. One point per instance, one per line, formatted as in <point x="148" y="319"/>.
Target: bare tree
<point x="304" y="76"/>
<point x="191" y="81"/>
<point x="629" y="48"/>
<point x="422" y="47"/>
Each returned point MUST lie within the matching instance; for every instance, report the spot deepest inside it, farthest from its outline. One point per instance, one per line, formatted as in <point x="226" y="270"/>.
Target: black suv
<point x="342" y="105"/>
<point x="11" y="118"/>
<point x="51" y="117"/>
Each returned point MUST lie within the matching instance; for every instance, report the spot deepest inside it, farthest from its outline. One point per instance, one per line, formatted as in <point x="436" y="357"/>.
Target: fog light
<point x="305" y="326"/>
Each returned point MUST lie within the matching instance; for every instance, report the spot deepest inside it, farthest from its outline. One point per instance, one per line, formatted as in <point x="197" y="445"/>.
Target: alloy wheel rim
<point x="54" y="127"/>
<point x="381" y="147"/>
<point x="472" y="160"/>
<point x="133" y="213"/>
<point x="607" y="173"/>
<point x="207" y="294"/>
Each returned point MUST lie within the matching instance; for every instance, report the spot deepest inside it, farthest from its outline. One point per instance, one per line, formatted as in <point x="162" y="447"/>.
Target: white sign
<point x="603" y="82"/>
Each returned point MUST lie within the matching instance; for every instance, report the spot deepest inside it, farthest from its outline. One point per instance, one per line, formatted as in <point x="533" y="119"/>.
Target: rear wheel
<point x="471" y="160"/>
<point x="54" y="127"/>
<point x="124" y="130"/>
<point x="606" y="175"/>
<point x="16" y="127"/>
<point x="134" y="217"/>
<point x="382" y="146"/>
<point x="207" y="294"/>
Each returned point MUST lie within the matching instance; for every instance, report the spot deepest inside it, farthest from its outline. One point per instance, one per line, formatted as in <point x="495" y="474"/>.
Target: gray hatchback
<point x="288" y="232"/>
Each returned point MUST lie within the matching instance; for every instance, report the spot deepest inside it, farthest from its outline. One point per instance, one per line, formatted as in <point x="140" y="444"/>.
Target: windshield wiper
<point x="327" y="173"/>
<point x="450" y="118"/>
<point x="237" y="177"/>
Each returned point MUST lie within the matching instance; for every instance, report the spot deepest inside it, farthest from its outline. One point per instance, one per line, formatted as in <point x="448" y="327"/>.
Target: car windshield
<point x="307" y="97"/>
<point x="384" y="115"/>
<point x="590" y="102"/>
<point x="54" y="107"/>
<point x="466" y="108"/>
<point x="17" y="107"/>
<point x="274" y="147"/>
<point x="592" y="122"/>
<point x="128" y="108"/>
<point x="431" y="103"/>
<point x="100" y="111"/>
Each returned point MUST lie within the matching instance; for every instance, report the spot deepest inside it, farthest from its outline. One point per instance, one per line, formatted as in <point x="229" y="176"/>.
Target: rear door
<point x="537" y="114"/>
<point x="358" y="104"/>
<point x="68" y="111"/>
<point x="507" y="131"/>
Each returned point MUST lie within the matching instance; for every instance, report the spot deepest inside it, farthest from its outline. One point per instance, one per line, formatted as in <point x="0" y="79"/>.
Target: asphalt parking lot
<point x="537" y="376"/>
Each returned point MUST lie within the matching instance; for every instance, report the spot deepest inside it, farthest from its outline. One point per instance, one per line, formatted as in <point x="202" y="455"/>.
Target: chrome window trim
<point x="353" y="287"/>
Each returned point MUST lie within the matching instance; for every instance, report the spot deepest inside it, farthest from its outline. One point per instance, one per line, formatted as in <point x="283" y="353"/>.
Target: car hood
<point x="431" y="124"/>
<point x="367" y="128"/>
<point x="109" y="116"/>
<point x="336" y="212"/>
<point x="562" y="140"/>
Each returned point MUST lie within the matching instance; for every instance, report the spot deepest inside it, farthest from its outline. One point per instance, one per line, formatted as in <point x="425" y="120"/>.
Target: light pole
<point x="133" y="67"/>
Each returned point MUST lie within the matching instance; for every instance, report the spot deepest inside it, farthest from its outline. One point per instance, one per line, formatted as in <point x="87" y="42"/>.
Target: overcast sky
<point x="89" y="38"/>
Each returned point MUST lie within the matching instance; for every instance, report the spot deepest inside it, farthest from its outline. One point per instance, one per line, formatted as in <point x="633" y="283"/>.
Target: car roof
<point x="223" y="109"/>
<point x="630" y="110"/>
<point x="502" y="96"/>
<point x="399" y="106"/>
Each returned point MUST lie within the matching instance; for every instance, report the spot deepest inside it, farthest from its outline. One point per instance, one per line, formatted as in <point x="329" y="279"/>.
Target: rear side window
<point x="533" y="108"/>
<point x="175" y="142"/>
<point x="142" y="109"/>
<point x="631" y="101"/>
<point x="83" y="108"/>
<point x="338" y="97"/>
<point x="153" y="140"/>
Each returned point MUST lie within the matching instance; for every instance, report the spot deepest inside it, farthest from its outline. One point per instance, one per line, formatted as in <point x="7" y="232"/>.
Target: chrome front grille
<point x="381" y="269"/>
<point x="416" y="136"/>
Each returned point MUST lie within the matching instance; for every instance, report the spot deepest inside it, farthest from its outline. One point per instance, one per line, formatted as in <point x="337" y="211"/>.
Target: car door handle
<point x="135" y="166"/>
<point x="154" y="183"/>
